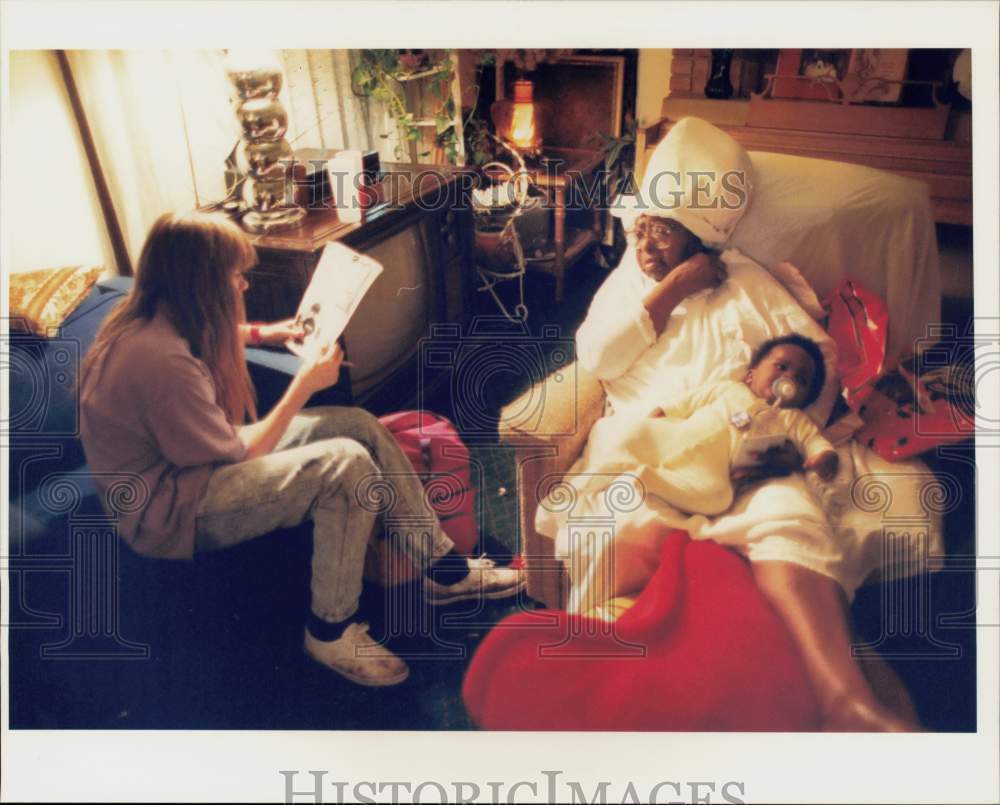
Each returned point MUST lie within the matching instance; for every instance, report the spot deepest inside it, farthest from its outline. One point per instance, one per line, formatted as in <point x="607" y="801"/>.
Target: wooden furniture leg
<point x="560" y="238"/>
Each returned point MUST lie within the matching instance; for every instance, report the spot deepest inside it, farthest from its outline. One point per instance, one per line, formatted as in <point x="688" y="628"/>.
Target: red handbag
<point x="907" y="410"/>
<point x="438" y="455"/>
<point x="859" y="325"/>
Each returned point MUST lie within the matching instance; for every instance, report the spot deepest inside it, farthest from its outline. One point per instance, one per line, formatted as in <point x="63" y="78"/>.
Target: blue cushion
<point x="44" y="384"/>
<point x="46" y="509"/>
<point x="271" y="370"/>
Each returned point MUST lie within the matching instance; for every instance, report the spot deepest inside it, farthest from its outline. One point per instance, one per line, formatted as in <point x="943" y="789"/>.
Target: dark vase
<point x="719" y="85"/>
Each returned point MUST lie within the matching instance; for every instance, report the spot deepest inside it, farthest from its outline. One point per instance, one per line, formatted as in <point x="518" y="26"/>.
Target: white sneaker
<point x="485" y="580"/>
<point x="357" y="657"/>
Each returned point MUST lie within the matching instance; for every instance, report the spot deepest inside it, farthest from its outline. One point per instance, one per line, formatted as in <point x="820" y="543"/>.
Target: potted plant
<point x="382" y="75"/>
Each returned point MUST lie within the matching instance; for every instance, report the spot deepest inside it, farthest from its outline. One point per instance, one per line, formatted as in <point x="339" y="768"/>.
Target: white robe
<point x="610" y="540"/>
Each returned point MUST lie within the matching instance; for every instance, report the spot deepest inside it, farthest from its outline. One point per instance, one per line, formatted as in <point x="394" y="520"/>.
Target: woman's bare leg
<point x="814" y="608"/>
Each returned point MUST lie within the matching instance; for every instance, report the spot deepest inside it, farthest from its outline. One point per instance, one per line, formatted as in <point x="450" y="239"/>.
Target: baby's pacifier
<point x="784" y="390"/>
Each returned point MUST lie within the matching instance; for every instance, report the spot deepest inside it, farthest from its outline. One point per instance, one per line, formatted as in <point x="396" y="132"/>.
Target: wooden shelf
<point x="732" y="112"/>
<point x="824" y="117"/>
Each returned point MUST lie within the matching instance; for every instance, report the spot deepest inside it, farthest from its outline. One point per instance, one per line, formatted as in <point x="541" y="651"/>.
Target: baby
<point x="688" y="451"/>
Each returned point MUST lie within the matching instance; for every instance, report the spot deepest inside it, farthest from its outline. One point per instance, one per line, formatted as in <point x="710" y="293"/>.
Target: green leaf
<point x="387" y="59"/>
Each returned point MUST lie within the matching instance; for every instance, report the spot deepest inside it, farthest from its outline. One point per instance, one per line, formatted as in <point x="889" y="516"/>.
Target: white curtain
<point x="323" y="111"/>
<point x="163" y="123"/>
<point x="50" y="188"/>
<point x="162" y="127"/>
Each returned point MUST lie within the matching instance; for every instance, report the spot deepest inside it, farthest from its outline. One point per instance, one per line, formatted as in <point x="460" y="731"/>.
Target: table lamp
<point x="267" y="156"/>
<point x="521" y="120"/>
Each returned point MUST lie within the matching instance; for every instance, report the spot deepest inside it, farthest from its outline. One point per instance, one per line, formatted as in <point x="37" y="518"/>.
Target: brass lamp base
<point x="275" y="220"/>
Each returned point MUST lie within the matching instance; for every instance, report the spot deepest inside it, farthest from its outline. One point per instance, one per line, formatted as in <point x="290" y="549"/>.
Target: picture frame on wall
<point x="874" y="74"/>
<point x="864" y="75"/>
<point x="824" y="68"/>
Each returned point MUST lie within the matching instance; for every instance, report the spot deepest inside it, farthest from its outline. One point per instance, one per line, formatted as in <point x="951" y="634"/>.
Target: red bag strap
<point x="405" y="420"/>
<point x="415" y="421"/>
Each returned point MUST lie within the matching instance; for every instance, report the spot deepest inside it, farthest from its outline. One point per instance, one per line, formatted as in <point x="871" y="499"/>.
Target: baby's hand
<point x="825" y="464"/>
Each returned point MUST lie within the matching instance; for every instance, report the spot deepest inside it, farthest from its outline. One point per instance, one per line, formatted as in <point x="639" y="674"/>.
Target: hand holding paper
<point x="341" y="279"/>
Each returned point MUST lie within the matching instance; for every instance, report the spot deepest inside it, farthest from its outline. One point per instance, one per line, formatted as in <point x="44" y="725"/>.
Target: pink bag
<point x="859" y="325"/>
<point x="436" y="451"/>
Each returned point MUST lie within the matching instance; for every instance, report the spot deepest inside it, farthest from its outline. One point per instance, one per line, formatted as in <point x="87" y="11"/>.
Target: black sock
<point x="326" y="631"/>
<point x="449" y="569"/>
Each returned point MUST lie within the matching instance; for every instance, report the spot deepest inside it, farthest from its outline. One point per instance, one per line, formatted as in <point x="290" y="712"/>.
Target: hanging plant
<point x="381" y="75"/>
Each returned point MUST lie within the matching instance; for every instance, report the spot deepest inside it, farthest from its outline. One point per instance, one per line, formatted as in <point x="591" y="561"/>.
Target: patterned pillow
<point x="41" y="300"/>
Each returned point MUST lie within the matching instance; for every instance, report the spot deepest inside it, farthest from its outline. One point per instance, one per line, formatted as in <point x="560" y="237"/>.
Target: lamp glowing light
<point x="521" y="120"/>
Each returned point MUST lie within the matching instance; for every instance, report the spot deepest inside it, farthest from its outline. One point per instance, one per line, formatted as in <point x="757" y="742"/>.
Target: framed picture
<point x="873" y="74"/>
<point x="825" y="68"/>
<point x="864" y="75"/>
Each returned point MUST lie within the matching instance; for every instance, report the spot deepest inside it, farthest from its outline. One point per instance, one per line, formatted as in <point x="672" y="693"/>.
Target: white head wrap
<point x="699" y="176"/>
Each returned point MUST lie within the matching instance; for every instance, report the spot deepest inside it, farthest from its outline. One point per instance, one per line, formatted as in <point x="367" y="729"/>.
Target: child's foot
<point x="357" y="657"/>
<point x="485" y="580"/>
<point x="851" y="715"/>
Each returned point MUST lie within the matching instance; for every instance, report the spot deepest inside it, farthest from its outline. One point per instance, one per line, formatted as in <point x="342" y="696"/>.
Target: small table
<point x="572" y="182"/>
<point x="571" y="173"/>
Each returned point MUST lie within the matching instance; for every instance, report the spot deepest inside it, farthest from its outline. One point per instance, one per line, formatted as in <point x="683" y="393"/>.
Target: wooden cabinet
<point x="419" y="229"/>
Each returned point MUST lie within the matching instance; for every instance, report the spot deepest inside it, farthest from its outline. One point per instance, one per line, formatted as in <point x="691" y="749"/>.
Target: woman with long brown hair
<point x="166" y="398"/>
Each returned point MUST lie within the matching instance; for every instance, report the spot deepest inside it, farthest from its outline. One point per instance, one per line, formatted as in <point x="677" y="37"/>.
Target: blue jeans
<point x="341" y="469"/>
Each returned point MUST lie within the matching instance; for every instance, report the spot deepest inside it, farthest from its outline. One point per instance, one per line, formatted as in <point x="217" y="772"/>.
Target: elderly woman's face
<point x="661" y="245"/>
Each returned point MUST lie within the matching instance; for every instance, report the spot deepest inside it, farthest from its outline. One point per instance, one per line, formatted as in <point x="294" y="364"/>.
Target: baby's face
<point x="788" y="361"/>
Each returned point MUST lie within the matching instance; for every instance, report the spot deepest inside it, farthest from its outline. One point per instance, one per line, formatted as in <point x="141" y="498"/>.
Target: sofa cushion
<point x="41" y="300"/>
<point x="833" y="220"/>
<point x="44" y="389"/>
<point x="44" y="510"/>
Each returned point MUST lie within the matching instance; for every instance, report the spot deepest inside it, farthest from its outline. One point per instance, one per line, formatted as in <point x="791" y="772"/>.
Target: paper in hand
<point x="341" y="279"/>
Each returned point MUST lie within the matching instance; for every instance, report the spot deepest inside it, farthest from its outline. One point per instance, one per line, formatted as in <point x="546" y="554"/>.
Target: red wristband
<point x="255" y="337"/>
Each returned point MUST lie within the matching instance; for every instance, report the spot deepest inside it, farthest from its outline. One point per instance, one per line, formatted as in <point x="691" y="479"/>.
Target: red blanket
<point x="701" y="650"/>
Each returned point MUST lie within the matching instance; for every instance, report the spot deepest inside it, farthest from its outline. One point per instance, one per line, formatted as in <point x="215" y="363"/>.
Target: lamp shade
<point x="521" y="120"/>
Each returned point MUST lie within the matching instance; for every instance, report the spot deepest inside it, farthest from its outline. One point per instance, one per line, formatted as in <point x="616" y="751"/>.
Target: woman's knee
<point x="338" y="458"/>
<point x="350" y="420"/>
<point x="351" y="457"/>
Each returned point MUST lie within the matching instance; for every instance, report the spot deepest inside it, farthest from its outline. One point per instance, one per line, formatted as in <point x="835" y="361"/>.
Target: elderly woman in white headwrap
<point x="673" y="316"/>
